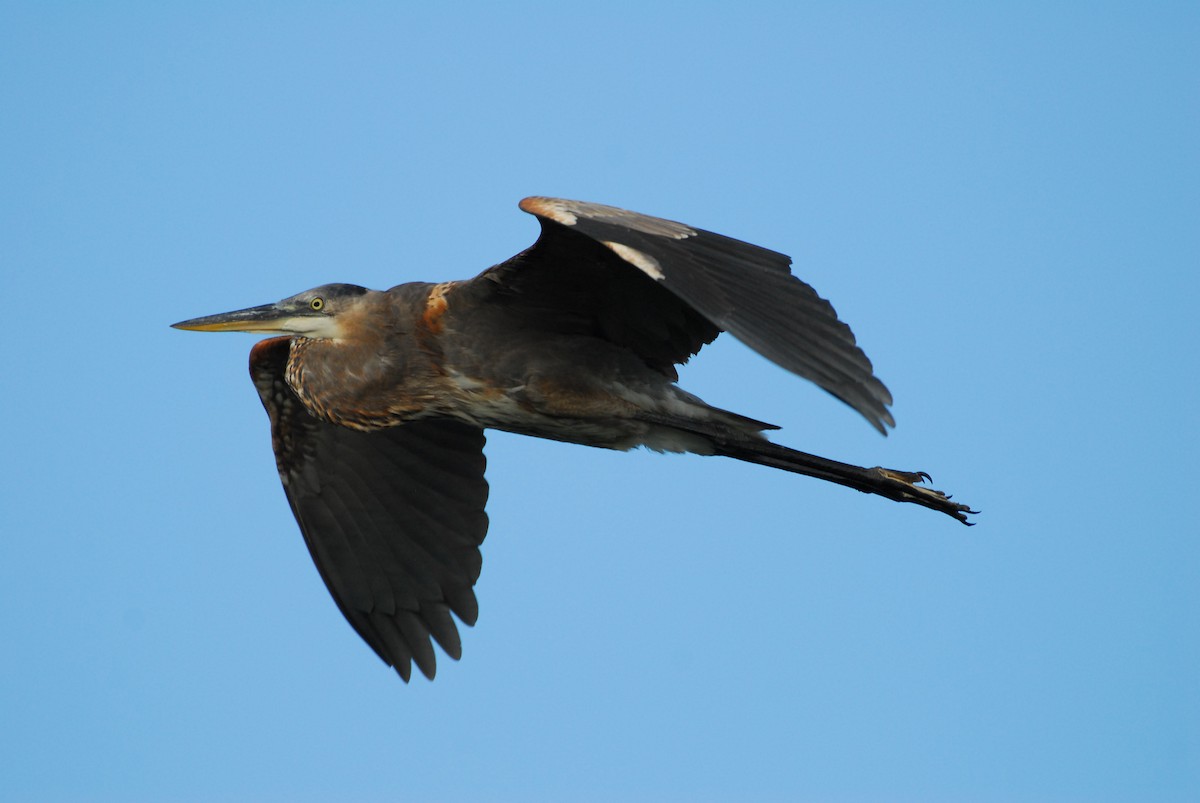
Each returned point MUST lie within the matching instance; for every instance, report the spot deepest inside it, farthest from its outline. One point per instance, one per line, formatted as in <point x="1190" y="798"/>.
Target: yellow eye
<point x="317" y="303"/>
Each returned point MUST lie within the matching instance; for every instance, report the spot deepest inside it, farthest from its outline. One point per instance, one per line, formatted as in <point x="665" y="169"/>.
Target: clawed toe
<point x="907" y="477"/>
<point x="909" y="491"/>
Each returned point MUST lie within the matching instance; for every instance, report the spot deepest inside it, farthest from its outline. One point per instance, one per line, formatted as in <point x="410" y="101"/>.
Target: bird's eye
<point x="317" y="303"/>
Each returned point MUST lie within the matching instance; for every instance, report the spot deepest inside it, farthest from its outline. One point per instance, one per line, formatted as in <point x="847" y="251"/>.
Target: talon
<point x="929" y="497"/>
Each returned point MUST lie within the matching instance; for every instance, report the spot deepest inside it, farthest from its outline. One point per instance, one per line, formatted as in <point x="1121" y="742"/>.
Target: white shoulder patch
<point x="552" y="208"/>
<point x="568" y="213"/>
<point x="639" y="259"/>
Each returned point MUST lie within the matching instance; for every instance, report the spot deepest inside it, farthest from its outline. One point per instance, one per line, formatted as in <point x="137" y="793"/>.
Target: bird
<point x="378" y="400"/>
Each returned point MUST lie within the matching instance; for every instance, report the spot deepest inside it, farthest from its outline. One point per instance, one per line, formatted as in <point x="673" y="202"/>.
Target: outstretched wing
<point x="663" y="290"/>
<point x="393" y="519"/>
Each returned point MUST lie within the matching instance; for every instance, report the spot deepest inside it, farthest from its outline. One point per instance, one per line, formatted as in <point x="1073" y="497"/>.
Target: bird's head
<point x="313" y="313"/>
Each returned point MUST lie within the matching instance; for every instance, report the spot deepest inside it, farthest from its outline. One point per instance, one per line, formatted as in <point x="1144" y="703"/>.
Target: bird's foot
<point x="902" y="486"/>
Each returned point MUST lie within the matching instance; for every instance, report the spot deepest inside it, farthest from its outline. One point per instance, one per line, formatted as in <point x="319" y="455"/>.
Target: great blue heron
<point x="378" y="399"/>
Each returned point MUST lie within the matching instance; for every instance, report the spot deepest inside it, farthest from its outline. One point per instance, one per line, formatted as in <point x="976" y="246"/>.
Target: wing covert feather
<point x="665" y="289"/>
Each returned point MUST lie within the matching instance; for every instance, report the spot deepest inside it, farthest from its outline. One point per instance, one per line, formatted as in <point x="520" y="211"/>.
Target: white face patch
<point x="639" y="259"/>
<point x="318" y="327"/>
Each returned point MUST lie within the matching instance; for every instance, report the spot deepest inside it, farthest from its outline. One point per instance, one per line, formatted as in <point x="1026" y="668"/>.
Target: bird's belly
<point x="548" y="410"/>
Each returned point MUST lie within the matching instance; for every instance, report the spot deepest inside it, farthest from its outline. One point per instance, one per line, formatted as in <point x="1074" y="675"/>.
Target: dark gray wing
<point x="393" y="519"/>
<point x="664" y="289"/>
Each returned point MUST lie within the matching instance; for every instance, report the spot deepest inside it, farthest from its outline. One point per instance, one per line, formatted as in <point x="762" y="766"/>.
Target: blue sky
<point x="1002" y="202"/>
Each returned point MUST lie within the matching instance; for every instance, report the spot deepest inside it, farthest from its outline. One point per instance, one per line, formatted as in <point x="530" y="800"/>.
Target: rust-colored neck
<point x="379" y="373"/>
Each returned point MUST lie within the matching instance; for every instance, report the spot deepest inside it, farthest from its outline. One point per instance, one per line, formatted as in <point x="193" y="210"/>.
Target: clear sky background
<point x="1004" y="204"/>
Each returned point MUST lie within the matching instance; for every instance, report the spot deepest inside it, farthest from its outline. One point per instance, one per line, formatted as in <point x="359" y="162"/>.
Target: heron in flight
<point x="378" y="400"/>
